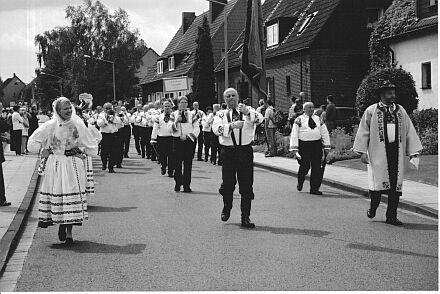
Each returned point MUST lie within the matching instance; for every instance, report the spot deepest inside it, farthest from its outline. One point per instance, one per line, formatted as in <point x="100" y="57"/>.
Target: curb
<point x="403" y="204"/>
<point x="9" y="241"/>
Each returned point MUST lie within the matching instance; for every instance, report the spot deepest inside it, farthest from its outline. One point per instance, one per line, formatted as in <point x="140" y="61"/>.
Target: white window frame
<point x="380" y="12"/>
<point x="307" y="21"/>
<point x="160" y="67"/>
<point x="171" y="63"/>
<point x="273" y="35"/>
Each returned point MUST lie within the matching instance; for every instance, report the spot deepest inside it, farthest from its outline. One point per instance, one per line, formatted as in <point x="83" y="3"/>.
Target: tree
<point x="95" y="32"/>
<point x="203" y="87"/>
<point x="398" y="17"/>
<point x="1" y="90"/>
<point x="406" y="94"/>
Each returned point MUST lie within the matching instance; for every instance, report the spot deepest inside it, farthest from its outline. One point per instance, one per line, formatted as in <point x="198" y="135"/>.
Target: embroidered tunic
<point x="372" y="137"/>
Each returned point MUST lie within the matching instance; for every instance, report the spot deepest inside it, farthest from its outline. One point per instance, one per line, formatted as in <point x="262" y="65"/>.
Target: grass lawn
<point x="427" y="173"/>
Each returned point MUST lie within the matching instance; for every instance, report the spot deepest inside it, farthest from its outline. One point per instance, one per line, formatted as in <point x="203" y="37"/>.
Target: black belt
<point x="236" y="147"/>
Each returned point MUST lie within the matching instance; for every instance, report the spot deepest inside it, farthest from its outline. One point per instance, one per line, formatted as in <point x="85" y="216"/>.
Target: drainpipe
<point x="301" y="70"/>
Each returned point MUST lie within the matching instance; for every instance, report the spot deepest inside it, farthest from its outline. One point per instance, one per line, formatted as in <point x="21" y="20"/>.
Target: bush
<point x="429" y="141"/>
<point x="425" y="119"/>
<point x="406" y="94"/>
<point x="342" y="143"/>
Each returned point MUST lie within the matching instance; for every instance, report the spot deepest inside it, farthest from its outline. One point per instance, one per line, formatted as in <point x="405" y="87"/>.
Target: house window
<point x="272" y="35"/>
<point x="288" y="91"/>
<point x="171" y="63"/>
<point x="373" y="16"/>
<point x="306" y="22"/>
<point x="160" y="67"/>
<point x="426" y="75"/>
<point x="271" y="88"/>
<point x="433" y="2"/>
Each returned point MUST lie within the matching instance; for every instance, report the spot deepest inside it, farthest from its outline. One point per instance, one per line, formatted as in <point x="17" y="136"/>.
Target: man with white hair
<point x="235" y="128"/>
<point x="309" y="136"/>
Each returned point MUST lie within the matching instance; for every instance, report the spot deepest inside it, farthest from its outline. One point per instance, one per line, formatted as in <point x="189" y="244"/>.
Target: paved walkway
<point x="417" y="196"/>
<point x="18" y="172"/>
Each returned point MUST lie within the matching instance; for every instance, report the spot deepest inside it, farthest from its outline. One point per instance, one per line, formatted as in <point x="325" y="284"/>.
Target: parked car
<point x="347" y="117"/>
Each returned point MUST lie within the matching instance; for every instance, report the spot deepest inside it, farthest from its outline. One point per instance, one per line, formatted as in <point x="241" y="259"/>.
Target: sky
<point x="21" y="20"/>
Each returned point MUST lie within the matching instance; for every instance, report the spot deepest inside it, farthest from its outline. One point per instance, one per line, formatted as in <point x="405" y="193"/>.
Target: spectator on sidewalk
<point x="319" y="111"/>
<point x="63" y="141"/>
<point x="4" y="127"/>
<point x="270" y="128"/>
<point x="17" y="129"/>
<point x="33" y="120"/>
<point x="330" y="113"/>
<point x="308" y="136"/>
<point x="385" y="136"/>
<point x="25" y="132"/>
<point x="295" y="110"/>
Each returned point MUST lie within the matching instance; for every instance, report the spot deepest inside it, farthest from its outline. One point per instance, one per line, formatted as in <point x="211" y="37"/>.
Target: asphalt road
<point x="141" y="235"/>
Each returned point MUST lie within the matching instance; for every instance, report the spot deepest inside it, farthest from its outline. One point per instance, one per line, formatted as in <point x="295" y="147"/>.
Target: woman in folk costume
<point x="385" y="136"/>
<point x="63" y="141"/>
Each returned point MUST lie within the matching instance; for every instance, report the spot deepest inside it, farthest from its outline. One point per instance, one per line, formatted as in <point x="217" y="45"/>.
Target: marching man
<point x="162" y="135"/>
<point x="385" y="135"/>
<point x="235" y="128"/>
<point x="135" y="119"/>
<point x="309" y="136"/>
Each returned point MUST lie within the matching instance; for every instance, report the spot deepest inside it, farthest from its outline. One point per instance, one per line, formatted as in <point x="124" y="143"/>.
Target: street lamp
<point x="225" y="25"/>
<point x="55" y="76"/>
<point x="113" y="67"/>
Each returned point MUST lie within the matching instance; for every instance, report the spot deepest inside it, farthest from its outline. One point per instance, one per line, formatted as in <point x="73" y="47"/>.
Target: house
<point x="319" y="47"/>
<point x="415" y="50"/>
<point x="171" y="77"/>
<point x="148" y="60"/>
<point x="12" y="88"/>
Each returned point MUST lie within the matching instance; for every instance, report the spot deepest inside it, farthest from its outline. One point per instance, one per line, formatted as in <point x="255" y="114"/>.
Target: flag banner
<point x="254" y="49"/>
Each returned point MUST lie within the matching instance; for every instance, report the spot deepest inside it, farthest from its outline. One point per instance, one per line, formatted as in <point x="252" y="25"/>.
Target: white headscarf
<point x="74" y="120"/>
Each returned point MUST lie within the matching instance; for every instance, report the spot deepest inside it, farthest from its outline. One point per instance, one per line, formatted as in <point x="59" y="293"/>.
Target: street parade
<point x="271" y="161"/>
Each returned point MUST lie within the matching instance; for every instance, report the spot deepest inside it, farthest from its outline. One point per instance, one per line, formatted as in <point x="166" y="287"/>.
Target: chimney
<point x="187" y="19"/>
<point x="215" y="9"/>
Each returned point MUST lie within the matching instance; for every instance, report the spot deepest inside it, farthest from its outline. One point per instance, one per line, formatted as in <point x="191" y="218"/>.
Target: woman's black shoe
<point x="177" y="188"/>
<point x="226" y="213"/>
<point x="62" y="233"/>
<point x="299" y="187"/>
<point x="69" y="241"/>
<point x="187" y="189"/>
<point x="371" y="213"/>
<point x="246" y="223"/>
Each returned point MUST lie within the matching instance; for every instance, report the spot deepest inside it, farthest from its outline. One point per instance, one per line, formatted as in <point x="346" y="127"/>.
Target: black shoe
<point x="111" y="170"/>
<point x="62" y="233"/>
<point x="139" y="153"/>
<point x="153" y="159"/>
<point x="126" y="156"/>
<point x="246" y="223"/>
<point x="299" y="187"/>
<point x="163" y="171"/>
<point x="394" y="221"/>
<point x="226" y="213"/>
<point x="119" y="166"/>
<point x="206" y="159"/>
<point x="148" y="157"/>
<point x="104" y="167"/>
<point x="315" y="192"/>
<point x="371" y="213"/>
<point x="199" y="159"/>
<point x="214" y="163"/>
<point x="177" y="188"/>
<point x="171" y="175"/>
<point x="187" y="189"/>
<point x="69" y="241"/>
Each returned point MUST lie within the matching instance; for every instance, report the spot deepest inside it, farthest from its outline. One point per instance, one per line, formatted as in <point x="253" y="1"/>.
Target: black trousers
<point x="143" y="136"/>
<point x="165" y="146"/>
<point x="109" y="149"/>
<point x="120" y="146"/>
<point x="183" y="154"/>
<point x="2" y="186"/>
<point x="149" y="148"/>
<point x="199" y="145"/>
<point x="311" y="155"/>
<point x="137" y="138"/>
<point x="126" y="139"/>
<point x="215" y="148"/>
<point x="238" y="165"/>
<point x="207" y="142"/>
<point x="392" y="151"/>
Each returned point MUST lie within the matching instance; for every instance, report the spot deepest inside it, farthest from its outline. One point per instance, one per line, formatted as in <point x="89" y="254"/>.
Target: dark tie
<point x="312" y="123"/>
<point x="235" y="115"/>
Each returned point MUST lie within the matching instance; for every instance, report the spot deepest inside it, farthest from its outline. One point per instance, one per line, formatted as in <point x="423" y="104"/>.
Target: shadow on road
<point x="287" y="231"/>
<point x="422" y="227"/>
<point x="328" y="195"/>
<point x="95" y="208"/>
<point x="100" y="248"/>
<point x="205" y="193"/>
<point x="367" y="247"/>
<point x="204" y="178"/>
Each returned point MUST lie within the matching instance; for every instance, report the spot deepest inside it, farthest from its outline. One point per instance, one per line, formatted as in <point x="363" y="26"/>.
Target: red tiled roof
<point x="273" y="9"/>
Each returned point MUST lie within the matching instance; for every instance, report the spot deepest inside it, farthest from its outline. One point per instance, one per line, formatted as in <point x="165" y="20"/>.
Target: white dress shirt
<point x="107" y="127"/>
<point x="161" y="128"/>
<point x="190" y="128"/>
<point x="17" y="121"/>
<point x="302" y="131"/>
<point x="222" y="127"/>
<point x="136" y="118"/>
<point x="207" y="121"/>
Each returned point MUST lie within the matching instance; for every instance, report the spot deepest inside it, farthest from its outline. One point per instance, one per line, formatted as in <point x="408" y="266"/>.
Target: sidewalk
<point x="417" y="197"/>
<point x="20" y="182"/>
